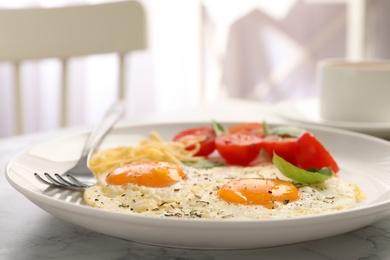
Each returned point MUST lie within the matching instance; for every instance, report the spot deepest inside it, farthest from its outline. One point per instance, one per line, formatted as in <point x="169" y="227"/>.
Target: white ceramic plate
<point x="307" y="111"/>
<point x="363" y="160"/>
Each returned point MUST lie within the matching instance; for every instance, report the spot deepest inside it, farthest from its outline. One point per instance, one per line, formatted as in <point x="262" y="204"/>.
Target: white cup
<point x="354" y="91"/>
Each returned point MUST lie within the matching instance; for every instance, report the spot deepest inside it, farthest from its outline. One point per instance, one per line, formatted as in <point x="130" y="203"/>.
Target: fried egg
<point x="151" y="174"/>
<point x="258" y="192"/>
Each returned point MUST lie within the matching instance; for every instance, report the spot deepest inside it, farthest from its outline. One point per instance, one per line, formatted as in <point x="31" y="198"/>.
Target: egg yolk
<point x="150" y="174"/>
<point x="257" y="191"/>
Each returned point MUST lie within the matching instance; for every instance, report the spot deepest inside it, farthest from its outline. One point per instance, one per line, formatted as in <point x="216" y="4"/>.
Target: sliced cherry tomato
<point x="282" y="146"/>
<point x="248" y="128"/>
<point x="238" y="149"/>
<point x="310" y="153"/>
<point x="207" y="146"/>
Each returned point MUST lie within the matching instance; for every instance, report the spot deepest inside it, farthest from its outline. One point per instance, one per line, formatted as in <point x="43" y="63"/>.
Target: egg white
<point x="196" y="197"/>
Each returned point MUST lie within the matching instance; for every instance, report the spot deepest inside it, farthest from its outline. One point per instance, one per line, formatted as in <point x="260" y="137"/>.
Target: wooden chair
<point x="63" y="33"/>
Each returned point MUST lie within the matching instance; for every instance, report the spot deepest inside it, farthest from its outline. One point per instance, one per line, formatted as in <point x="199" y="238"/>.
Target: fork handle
<point x="109" y="119"/>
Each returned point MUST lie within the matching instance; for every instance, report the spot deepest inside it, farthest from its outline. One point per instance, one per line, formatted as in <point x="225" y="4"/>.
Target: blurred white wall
<point x="201" y="51"/>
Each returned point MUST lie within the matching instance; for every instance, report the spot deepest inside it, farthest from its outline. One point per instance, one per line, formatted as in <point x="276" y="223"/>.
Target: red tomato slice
<point x="207" y="146"/>
<point x="310" y="153"/>
<point x="282" y="146"/>
<point x="248" y="128"/>
<point x="238" y="149"/>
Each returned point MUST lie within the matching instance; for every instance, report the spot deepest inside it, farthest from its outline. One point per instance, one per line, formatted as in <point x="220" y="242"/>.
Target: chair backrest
<point x="39" y="33"/>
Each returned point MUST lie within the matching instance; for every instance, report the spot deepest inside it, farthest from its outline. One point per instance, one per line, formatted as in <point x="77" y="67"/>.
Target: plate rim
<point x="378" y="207"/>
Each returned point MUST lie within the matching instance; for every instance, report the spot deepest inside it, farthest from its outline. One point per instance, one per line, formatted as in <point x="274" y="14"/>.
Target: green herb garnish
<point x="266" y="129"/>
<point x="300" y="175"/>
<point x="218" y="128"/>
<point x="286" y="131"/>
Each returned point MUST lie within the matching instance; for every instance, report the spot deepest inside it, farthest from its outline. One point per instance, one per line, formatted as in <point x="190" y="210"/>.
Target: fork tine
<point x="76" y="181"/>
<point x="54" y="181"/>
<point x="50" y="180"/>
<point x="41" y="179"/>
<point x="62" y="180"/>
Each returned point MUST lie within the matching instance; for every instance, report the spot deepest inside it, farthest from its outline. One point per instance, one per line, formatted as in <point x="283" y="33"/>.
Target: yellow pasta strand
<point x="150" y="149"/>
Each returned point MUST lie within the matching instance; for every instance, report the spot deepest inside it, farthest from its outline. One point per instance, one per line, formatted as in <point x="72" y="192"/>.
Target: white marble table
<point x="28" y="232"/>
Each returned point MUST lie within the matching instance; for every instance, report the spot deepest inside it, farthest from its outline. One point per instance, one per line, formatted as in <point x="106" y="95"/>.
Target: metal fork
<point x="81" y="170"/>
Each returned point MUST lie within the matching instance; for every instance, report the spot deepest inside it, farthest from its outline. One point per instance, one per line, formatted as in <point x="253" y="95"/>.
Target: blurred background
<point x="202" y="51"/>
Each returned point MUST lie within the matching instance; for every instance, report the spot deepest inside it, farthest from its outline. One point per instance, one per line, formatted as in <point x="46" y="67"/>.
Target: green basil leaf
<point x="286" y="131"/>
<point x="300" y="175"/>
<point x="218" y="128"/>
<point x="204" y="164"/>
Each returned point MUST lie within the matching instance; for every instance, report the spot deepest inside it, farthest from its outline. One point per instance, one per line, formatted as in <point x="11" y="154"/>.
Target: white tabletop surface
<point x="28" y="232"/>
